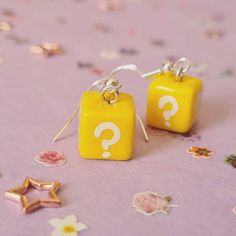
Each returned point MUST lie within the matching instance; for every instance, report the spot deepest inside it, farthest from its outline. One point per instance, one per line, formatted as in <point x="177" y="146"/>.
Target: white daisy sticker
<point x="69" y="226"/>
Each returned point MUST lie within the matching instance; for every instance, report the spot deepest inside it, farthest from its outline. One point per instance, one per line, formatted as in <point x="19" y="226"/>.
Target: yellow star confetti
<point x="106" y="5"/>
<point x="1" y="60"/>
<point x="4" y="26"/>
<point x="109" y="54"/>
<point x="46" y="48"/>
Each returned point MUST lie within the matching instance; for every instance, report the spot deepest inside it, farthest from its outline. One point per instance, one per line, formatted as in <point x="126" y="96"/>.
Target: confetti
<point x="67" y="226"/>
<point x="150" y="203"/>
<point x="1" y="60"/>
<point x="48" y="49"/>
<point x="109" y="54"/>
<point x="106" y="5"/>
<point x="8" y="13"/>
<point x="128" y="51"/>
<point x="4" y="26"/>
<point x="234" y="210"/>
<point x="85" y="65"/>
<point x="37" y="49"/>
<point x="97" y="71"/>
<point x="231" y="160"/>
<point x="214" y="34"/>
<point x="92" y="69"/>
<point x="200" y="152"/>
<point x="102" y="28"/>
<point x="51" y="158"/>
<point x="227" y="73"/>
<point x="17" y="39"/>
<point x="158" y="42"/>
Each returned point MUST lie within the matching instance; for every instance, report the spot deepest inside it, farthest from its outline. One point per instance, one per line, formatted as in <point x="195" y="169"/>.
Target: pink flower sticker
<point x="150" y="203"/>
<point x="51" y="158"/>
<point x="234" y="210"/>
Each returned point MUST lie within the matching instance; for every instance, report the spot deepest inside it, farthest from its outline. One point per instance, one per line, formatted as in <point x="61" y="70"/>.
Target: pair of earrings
<point x="107" y="116"/>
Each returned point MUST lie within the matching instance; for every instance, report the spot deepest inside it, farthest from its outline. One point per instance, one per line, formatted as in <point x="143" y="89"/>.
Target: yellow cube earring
<point x="107" y="122"/>
<point x="173" y="97"/>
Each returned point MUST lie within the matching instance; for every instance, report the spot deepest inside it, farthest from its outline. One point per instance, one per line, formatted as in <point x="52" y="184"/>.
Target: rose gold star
<point x="18" y="194"/>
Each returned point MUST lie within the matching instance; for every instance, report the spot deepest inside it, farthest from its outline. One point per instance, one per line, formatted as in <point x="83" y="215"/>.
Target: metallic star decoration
<point x="18" y="194"/>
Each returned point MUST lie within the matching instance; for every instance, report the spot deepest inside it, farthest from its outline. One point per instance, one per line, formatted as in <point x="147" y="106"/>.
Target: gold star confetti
<point x="111" y="5"/>
<point x="47" y="49"/>
<point x="1" y="60"/>
<point x="200" y="152"/>
<point x="4" y="26"/>
<point x="109" y="54"/>
<point x="214" y="34"/>
<point x="19" y="194"/>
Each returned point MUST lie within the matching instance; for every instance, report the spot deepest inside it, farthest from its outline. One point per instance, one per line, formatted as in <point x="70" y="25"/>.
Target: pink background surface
<point x="37" y="95"/>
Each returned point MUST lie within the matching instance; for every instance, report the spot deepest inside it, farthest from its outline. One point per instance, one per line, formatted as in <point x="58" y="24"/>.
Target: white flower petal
<point x="56" y="222"/>
<point x="69" y="234"/>
<point x="80" y="226"/>
<point x="71" y="219"/>
<point x="56" y="232"/>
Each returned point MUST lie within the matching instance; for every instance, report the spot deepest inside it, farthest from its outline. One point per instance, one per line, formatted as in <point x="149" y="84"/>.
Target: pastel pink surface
<point x="38" y="94"/>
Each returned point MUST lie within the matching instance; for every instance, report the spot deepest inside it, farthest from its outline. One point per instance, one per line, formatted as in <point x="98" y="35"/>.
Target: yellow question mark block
<point x="173" y="105"/>
<point x="106" y="131"/>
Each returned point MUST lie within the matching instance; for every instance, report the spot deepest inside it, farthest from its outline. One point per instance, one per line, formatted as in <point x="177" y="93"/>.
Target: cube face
<point x="173" y="105"/>
<point x="106" y="131"/>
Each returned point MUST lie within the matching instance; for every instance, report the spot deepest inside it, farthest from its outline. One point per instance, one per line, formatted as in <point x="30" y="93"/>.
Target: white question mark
<point x="107" y="143"/>
<point x="168" y="114"/>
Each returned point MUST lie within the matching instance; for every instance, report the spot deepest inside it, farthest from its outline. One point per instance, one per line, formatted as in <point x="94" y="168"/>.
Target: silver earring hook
<point x="178" y="68"/>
